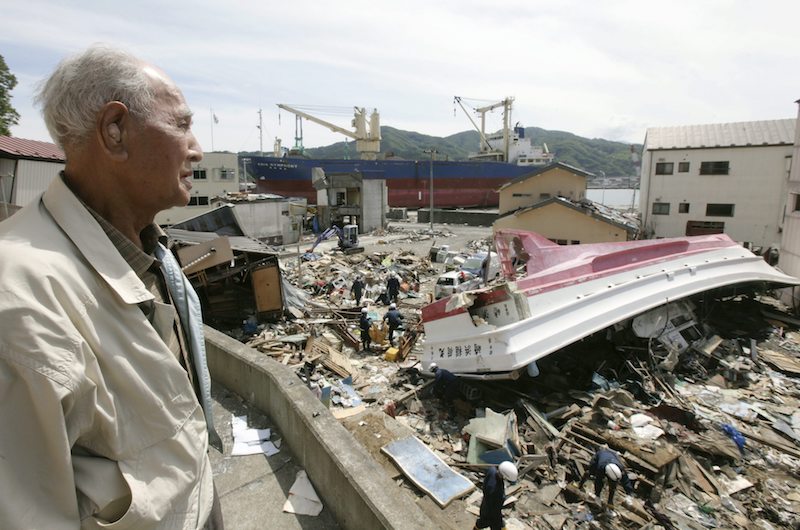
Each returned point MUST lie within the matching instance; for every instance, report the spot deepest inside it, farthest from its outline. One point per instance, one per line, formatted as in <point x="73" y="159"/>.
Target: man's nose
<point x="195" y="151"/>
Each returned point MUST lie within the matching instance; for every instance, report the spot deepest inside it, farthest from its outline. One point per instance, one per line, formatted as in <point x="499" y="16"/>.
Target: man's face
<point x="162" y="150"/>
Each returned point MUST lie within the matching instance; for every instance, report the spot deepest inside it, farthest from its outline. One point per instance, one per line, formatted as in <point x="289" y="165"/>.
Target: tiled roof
<point x="741" y="134"/>
<point x="21" y="148"/>
<point x="543" y="169"/>
<point x="586" y="207"/>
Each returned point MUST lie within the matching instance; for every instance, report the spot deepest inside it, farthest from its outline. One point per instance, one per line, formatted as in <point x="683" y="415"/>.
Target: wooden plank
<point x="690" y="467"/>
<point x="414" y="391"/>
<point x="775" y="444"/>
<point x="340" y="413"/>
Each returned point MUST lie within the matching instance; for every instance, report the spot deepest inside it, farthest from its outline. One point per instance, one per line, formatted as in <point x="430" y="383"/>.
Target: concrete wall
<point x="755" y="185"/>
<point x="556" y="221"/>
<point x="554" y="182"/>
<point x="790" y="239"/>
<point x="268" y="220"/>
<point x="31" y="179"/>
<point x="457" y="217"/>
<point x="374" y="205"/>
<point x="351" y="484"/>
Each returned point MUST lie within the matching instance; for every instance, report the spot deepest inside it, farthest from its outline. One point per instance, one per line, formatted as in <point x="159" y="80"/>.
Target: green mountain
<point x="594" y="155"/>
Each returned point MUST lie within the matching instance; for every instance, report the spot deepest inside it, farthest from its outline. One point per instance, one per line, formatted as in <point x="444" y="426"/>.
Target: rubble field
<point x="703" y="410"/>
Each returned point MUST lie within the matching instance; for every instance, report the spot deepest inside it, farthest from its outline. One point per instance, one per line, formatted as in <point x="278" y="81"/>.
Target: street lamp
<point x="432" y="152"/>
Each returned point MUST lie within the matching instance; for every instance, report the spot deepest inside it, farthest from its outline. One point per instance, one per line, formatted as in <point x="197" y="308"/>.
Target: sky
<point x="607" y="69"/>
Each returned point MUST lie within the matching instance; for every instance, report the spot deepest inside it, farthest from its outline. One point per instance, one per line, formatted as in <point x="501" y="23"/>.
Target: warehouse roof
<point x="739" y="134"/>
<point x="33" y="149"/>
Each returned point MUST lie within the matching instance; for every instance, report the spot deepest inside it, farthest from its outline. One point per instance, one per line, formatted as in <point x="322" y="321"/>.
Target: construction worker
<point x="605" y="464"/>
<point x="358" y="289"/>
<point x="446" y="383"/>
<point x="395" y="319"/>
<point x="393" y="287"/>
<point x="365" y="323"/>
<point x="494" y="495"/>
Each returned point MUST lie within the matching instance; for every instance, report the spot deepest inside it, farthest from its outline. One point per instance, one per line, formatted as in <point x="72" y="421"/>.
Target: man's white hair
<point x="80" y="85"/>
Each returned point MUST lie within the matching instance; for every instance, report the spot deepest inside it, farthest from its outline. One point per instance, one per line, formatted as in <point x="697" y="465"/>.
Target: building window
<point x="664" y="168"/>
<point x="520" y="194"/>
<point x="683" y="207"/>
<point x="796" y="202"/>
<point x="683" y="167"/>
<point x="225" y="174"/>
<point x="719" y="210"/>
<point x="544" y="196"/>
<point x="702" y="228"/>
<point x="660" y="208"/>
<point x="199" y="174"/>
<point x="574" y="242"/>
<point x="198" y="201"/>
<point x="340" y="198"/>
<point x="714" y="168"/>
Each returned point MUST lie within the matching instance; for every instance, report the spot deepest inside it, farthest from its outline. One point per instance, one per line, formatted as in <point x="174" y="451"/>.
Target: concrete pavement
<point x="253" y="488"/>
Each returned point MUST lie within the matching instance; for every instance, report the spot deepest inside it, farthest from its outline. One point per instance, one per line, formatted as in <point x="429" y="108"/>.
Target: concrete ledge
<point x="458" y="217"/>
<point x="352" y="485"/>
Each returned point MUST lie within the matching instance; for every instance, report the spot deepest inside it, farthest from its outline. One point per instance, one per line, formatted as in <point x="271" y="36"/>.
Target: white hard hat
<point x="508" y="470"/>
<point x="433" y="367"/>
<point x="364" y="310"/>
<point x="392" y="306"/>
<point x="613" y="472"/>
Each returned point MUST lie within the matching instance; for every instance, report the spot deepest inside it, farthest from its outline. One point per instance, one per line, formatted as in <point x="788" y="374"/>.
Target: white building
<point x="790" y="241"/>
<point x="725" y="177"/>
<point x="214" y="176"/>
<point x="26" y="169"/>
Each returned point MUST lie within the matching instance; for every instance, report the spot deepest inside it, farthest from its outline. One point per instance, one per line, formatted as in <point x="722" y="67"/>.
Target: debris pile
<point x="698" y="398"/>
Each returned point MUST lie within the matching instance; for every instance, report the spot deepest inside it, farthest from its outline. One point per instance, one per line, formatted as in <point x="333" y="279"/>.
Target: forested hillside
<point x="593" y="155"/>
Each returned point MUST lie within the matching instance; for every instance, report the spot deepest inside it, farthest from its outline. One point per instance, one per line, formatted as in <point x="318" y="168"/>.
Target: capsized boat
<point x="569" y="292"/>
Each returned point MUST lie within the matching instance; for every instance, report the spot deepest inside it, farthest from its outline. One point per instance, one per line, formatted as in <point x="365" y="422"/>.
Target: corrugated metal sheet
<point x="21" y="148"/>
<point x="238" y="243"/>
<point x="746" y="133"/>
<point x="33" y="177"/>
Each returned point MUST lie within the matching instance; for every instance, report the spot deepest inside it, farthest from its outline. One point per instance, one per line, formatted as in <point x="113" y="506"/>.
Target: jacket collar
<point x="87" y="235"/>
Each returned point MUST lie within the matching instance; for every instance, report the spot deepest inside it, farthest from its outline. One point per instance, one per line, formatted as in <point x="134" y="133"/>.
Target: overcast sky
<point x="606" y="69"/>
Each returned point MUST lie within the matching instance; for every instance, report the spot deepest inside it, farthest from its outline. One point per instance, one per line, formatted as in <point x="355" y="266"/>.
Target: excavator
<point x="348" y="238"/>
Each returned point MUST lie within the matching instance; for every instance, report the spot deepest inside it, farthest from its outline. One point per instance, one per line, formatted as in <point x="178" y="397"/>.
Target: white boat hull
<point x="504" y="329"/>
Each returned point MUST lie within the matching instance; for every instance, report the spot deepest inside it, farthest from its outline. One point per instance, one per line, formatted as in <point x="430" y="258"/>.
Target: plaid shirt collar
<point x="140" y="260"/>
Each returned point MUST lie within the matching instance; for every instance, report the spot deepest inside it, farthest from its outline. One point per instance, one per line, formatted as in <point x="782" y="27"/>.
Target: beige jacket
<point x="99" y="420"/>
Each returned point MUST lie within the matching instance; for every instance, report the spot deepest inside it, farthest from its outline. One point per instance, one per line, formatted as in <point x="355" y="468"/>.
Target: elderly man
<point x="102" y="357"/>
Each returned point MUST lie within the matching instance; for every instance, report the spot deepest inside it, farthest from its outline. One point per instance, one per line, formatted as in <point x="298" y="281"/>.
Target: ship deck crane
<point x="486" y="148"/>
<point x="368" y="140"/>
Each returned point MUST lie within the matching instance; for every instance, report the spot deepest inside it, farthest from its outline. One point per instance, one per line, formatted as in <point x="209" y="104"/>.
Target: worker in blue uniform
<point x="395" y="320"/>
<point x="494" y="495"/>
<point x="393" y="287"/>
<point x="357" y="289"/>
<point x="605" y="464"/>
<point x="445" y="385"/>
<point x="365" y="323"/>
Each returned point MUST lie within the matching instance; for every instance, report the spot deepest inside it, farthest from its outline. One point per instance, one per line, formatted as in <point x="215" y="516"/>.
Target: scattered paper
<point x="303" y="500"/>
<point x="248" y="441"/>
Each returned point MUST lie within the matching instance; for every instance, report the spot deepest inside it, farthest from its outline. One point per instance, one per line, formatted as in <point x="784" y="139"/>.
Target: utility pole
<point x="260" y="135"/>
<point x="603" y="200"/>
<point x="432" y="151"/>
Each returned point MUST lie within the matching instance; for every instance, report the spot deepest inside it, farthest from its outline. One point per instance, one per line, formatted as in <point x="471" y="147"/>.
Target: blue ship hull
<point x="455" y="184"/>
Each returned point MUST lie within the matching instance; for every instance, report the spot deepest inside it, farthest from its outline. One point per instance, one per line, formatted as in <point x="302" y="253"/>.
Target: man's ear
<point x="113" y="123"/>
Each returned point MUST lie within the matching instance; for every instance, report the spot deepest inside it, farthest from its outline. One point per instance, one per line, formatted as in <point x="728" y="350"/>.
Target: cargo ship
<point x="503" y="156"/>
